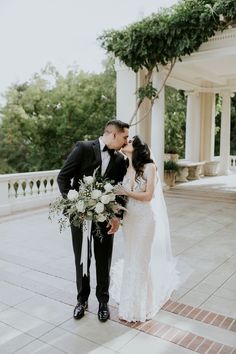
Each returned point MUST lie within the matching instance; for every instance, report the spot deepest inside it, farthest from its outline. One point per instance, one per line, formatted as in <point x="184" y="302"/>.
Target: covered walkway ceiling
<point x="211" y="69"/>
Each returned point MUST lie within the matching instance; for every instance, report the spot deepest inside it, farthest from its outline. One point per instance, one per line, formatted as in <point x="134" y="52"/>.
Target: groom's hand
<point x="114" y="226"/>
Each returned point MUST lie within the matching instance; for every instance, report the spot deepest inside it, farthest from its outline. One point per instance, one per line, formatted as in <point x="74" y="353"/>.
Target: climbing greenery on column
<point x="165" y="37"/>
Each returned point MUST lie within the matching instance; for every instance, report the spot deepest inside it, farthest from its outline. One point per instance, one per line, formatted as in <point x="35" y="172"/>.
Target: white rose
<point x="99" y="208"/>
<point x="105" y="199"/>
<point x="96" y="193"/>
<point x="88" y="179"/>
<point x="100" y="218"/>
<point x="112" y="197"/>
<point x="80" y="206"/>
<point x="72" y="195"/>
<point x="108" y="187"/>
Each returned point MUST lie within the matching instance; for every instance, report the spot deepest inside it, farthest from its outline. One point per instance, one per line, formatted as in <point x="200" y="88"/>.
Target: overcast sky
<point x="63" y="32"/>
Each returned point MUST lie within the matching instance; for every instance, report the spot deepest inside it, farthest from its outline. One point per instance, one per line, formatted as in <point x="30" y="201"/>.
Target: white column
<point x="193" y="123"/>
<point x="207" y="105"/>
<point x="225" y="134"/>
<point x="158" y="124"/>
<point x="126" y="86"/>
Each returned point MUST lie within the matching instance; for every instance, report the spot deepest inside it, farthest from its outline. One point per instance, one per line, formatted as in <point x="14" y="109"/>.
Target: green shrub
<point x="171" y="165"/>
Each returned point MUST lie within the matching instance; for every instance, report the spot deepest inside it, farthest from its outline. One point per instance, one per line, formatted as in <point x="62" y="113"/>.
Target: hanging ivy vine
<point x="167" y="36"/>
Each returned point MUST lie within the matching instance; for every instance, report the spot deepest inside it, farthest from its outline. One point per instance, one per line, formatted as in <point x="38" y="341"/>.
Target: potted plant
<point x="170" y="170"/>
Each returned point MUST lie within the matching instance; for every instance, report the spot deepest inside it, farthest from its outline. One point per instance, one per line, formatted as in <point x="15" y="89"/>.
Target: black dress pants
<point x="103" y="256"/>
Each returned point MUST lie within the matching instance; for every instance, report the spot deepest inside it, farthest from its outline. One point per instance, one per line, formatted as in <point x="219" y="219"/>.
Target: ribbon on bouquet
<point x="87" y="227"/>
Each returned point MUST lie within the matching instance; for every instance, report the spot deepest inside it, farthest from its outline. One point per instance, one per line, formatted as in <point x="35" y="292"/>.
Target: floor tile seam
<point x="196" y="196"/>
<point x="35" y="270"/>
<point x="201" y="321"/>
<point x="15" y="306"/>
<point x="53" y="289"/>
<point x="40" y="340"/>
<point x="199" y="219"/>
<point x="178" y="329"/>
<point x="38" y="318"/>
<point x="18" y="303"/>
<point x="221" y="286"/>
<point x="34" y="339"/>
<point x="198" y="189"/>
<point x="192" y="288"/>
<point x="22" y="215"/>
<point x="26" y="313"/>
<point x="75" y="334"/>
<point x="204" y="326"/>
<point x="194" y="244"/>
<point x="15" y="263"/>
<point x="28" y="289"/>
<point x="171" y="327"/>
<point x="214" y="291"/>
<point x="46" y="273"/>
<point x="202" y="239"/>
<point x="225" y="201"/>
<point x="212" y="271"/>
<point x="195" y="335"/>
<point x="138" y="333"/>
<point x="10" y="263"/>
<point x="17" y="329"/>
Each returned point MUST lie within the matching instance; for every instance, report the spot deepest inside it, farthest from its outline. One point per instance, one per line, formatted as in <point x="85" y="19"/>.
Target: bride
<point x="145" y="279"/>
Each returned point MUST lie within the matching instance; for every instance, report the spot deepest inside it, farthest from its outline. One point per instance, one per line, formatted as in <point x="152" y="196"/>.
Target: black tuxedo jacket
<point x="83" y="160"/>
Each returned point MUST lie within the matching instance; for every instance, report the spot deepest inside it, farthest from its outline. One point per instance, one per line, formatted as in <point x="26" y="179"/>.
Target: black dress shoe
<point x="79" y="310"/>
<point x="103" y="312"/>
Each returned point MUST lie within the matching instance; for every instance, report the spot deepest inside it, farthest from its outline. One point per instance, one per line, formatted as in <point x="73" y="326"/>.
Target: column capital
<point x="227" y="93"/>
<point x="192" y="93"/>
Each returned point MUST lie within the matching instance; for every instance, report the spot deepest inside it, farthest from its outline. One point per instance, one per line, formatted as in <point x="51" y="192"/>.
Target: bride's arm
<point x="148" y="194"/>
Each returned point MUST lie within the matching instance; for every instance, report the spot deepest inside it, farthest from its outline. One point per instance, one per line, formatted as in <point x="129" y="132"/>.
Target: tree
<point x="43" y="118"/>
<point x="175" y="120"/>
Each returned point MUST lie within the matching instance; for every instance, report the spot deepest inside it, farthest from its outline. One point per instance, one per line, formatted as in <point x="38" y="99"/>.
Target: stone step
<point x="199" y="333"/>
<point x="186" y="333"/>
<point x="177" y="327"/>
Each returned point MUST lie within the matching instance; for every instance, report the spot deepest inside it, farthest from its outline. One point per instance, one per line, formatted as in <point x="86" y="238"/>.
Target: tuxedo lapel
<point x="97" y="152"/>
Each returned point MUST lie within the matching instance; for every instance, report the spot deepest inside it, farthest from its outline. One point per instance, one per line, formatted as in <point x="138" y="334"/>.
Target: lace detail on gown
<point x="140" y="289"/>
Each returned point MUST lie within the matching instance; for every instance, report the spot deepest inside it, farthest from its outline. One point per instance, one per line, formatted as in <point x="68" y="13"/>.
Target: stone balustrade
<point x="24" y="191"/>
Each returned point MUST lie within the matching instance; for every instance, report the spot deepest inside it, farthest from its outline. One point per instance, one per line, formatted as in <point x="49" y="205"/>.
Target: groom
<point x="82" y="161"/>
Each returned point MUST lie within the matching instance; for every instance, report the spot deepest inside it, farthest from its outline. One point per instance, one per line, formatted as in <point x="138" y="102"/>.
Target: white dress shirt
<point x="105" y="157"/>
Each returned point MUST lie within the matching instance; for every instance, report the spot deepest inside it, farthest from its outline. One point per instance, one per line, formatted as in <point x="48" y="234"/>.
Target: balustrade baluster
<point x="35" y="190"/>
<point x="46" y="183"/>
<point x="20" y="190"/>
<point x="17" y="188"/>
<point x="28" y="189"/>
<point x="41" y="187"/>
<point x="51" y="184"/>
<point x="11" y="190"/>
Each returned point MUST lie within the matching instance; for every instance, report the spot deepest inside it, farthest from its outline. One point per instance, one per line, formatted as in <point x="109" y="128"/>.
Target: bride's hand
<point x="121" y="190"/>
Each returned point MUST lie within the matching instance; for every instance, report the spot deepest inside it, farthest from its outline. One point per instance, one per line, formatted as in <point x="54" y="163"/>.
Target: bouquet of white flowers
<point x="95" y="200"/>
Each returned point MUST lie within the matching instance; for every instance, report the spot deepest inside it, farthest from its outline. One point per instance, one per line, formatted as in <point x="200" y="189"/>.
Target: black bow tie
<point x="106" y="148"/>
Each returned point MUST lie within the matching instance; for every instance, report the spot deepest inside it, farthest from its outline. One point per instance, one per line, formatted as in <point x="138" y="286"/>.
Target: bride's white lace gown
<point x="144" y="280"/>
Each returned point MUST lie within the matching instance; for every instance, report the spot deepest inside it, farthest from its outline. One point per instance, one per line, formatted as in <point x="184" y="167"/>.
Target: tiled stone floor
<point x="37" y="289"/>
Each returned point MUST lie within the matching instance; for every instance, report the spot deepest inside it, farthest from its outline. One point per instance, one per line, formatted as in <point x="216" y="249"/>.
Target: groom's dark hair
<point x="120" y="126"/>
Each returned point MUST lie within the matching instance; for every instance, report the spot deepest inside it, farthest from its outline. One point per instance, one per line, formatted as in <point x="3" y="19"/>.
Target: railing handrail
<point x="10" y="176"/>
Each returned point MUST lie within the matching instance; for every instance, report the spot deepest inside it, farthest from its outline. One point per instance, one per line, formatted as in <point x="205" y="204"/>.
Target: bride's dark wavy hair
<point x="141" y="155"/>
